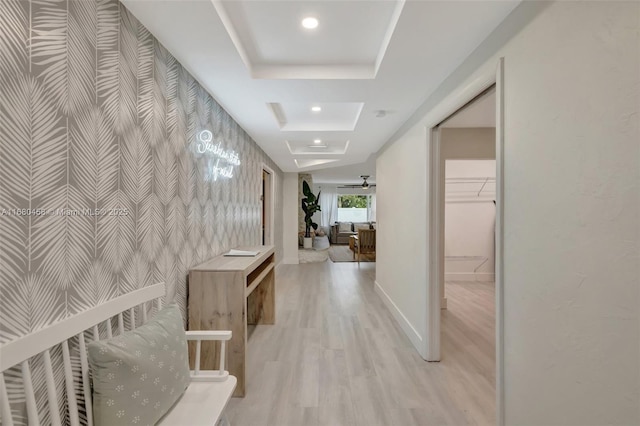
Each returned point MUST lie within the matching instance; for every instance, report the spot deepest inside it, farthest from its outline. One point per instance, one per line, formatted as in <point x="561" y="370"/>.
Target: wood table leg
<point x="353" y="244"/>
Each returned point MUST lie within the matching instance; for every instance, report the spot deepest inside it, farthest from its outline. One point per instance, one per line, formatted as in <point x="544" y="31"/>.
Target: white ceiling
<point x="350" y="42"/>
<point x="267" y="71"/>
<point x="332" y="117"/>
<point x="347" y="174"/>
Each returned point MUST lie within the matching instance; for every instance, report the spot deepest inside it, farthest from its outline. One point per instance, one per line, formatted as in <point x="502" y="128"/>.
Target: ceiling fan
<point x="363" y="185"/>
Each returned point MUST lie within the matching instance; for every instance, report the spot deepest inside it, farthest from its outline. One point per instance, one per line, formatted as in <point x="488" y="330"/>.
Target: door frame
<point x="435" y="218"/>
<point x="269" y="198"/>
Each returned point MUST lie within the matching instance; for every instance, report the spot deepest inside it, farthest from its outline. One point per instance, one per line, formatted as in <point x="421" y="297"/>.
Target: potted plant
<point x="309" y="207"/>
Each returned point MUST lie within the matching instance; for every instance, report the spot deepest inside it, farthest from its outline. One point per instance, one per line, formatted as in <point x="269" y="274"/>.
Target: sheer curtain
<point x="329" y="205"/>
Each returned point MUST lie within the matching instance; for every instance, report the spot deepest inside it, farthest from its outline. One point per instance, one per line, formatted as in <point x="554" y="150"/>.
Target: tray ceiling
<point x="316" y="116"/>
<point x="349" y="41"/>
<point x="368" y="64"/>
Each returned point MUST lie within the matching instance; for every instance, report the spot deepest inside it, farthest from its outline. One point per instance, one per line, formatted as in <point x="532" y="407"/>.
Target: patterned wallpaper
<point x="102" y="187"/>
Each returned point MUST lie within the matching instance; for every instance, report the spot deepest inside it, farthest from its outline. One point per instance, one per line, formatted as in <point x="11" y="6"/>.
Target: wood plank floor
<point x="337" y="357"/>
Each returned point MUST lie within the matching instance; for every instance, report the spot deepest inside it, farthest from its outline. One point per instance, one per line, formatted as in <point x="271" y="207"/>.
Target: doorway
<point x="467" y="325"/>
<point x="467" y="192"/>
<point x="436" y="220"/>
<point x="266" y="199"/>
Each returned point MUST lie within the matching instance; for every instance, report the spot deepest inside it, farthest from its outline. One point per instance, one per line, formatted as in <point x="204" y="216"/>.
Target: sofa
<point x="341" y="231"/>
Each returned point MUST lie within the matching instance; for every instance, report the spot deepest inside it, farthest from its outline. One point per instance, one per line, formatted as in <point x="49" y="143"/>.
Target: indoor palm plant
<point x="309" y="207"/>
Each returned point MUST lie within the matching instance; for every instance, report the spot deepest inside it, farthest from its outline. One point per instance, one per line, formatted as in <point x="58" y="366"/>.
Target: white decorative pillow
<point x="357" y="226"/>
<point x="139" y="375"/>
<point x="344" y="227"/>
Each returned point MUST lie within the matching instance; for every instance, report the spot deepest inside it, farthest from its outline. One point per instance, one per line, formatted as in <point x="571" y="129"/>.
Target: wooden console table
<point x="226" y="293"/>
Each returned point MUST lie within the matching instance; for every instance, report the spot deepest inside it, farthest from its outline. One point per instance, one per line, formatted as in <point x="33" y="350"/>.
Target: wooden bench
<point x="202" y="403"/>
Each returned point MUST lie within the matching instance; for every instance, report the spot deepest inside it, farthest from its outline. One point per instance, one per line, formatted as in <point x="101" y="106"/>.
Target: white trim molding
<point x="407" y="327"/>
<point x="499" y="244"/>
<point x="435" y="301"/>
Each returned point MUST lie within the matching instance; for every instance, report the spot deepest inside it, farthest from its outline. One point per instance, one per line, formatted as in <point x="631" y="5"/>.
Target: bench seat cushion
<point x="139" y="375"/>
<point x="201" y="404"/>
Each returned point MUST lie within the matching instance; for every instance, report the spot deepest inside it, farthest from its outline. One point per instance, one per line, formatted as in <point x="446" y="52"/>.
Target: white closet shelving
<point x="470" y="189"/>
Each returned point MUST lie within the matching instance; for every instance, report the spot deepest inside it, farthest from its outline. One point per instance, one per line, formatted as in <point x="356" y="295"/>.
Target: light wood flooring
<point x="337" y="357"/>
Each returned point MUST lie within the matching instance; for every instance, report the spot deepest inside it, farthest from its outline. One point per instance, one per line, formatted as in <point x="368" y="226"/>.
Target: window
<point x="353" y="208"/>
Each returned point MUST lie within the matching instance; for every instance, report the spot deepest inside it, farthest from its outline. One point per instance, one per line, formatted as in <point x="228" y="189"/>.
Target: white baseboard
<point x="415" y="338"/>
<point x="469" y="276"/>
<point x="290" y="260"/>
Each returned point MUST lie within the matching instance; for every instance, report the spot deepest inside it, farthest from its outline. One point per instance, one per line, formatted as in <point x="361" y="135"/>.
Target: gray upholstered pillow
<point x="140" y="374"/>
<point x="344" y="227"/>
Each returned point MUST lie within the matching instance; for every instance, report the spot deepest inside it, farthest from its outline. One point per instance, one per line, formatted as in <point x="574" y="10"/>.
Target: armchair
<point x="366" y="242"/>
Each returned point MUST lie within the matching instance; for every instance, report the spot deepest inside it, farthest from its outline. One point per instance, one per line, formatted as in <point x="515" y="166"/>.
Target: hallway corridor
<point x="337" y="357"/>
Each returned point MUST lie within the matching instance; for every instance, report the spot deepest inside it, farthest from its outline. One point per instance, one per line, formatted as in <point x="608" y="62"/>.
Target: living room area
<point x="340" y="219"/>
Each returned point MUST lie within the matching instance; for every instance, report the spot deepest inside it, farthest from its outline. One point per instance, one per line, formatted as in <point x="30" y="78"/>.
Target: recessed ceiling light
<point x="317" y="141"/>
<point x="310" y="23"/>
<point x="317" y="146"/>
<point x="316" y="108"/>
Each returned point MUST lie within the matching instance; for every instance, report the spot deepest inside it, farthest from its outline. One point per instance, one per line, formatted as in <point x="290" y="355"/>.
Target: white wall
<point x="290" y="218"/>
<point x="468" y="246"/>
<point x="571" y="213"/>
<point x="473" y="168"/>
<point x="469" y="221"/>
<point x="401" y="276"/>
<point x="468" y="143"/>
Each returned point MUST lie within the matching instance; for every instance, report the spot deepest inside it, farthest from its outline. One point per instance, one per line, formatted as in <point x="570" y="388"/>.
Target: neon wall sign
<point x="223" y="161"/>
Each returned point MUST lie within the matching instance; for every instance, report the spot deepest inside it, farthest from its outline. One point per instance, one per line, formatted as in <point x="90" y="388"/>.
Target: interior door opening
<point x="266" y="200"/>
<point x="264" y="207"/>
<point x="464" y="193"/>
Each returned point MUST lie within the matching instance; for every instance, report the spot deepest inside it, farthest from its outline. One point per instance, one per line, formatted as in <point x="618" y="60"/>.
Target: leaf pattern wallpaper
<point x="95" y="114"/>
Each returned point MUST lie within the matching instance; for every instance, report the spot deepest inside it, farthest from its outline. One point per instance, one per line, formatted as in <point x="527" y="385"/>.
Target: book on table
<point x="241" y="253"/>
